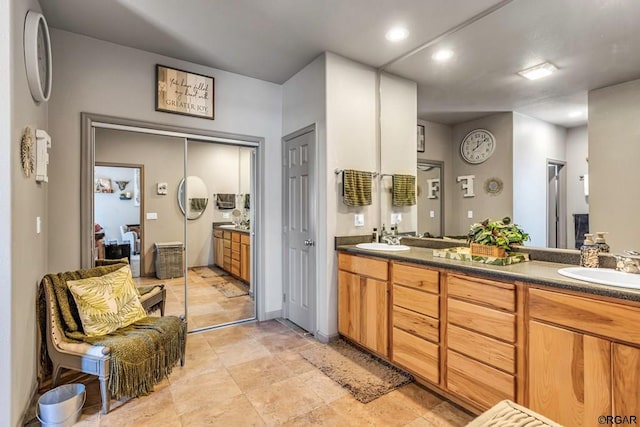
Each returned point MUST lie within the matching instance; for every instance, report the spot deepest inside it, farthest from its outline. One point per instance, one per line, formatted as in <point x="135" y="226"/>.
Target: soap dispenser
<point x="589" y="253"/>
<point x="374" y="235"/>
<point x="603" y="247"/>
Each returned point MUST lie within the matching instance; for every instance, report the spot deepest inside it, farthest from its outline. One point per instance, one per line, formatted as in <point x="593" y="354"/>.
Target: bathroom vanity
<point x="478" y="334"/>
<point x="232" y="251"/>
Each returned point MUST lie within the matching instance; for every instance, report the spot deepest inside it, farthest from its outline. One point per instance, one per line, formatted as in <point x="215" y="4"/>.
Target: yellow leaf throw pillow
<point x="106" y="303"/>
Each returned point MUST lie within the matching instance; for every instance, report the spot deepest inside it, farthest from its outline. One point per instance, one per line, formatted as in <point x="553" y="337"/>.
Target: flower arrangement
<point x="503" y="234"/>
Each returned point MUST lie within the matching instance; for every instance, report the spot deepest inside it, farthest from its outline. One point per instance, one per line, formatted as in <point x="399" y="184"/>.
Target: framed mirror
<point x="196" y="197"/>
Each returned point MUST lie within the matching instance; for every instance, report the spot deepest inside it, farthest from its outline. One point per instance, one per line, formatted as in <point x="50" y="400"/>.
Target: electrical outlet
<point x="469" y="214"/>
<point x="38" y="225"/>
<point x="226" y="215"/>
<point x="358" y="220"/>
<point x="432" y="214"/>
<point x="152" y="215"/>
<point x="396" y="218"/>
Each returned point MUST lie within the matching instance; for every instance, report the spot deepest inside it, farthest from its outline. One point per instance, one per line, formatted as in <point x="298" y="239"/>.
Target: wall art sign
<point x="182" y="92"/>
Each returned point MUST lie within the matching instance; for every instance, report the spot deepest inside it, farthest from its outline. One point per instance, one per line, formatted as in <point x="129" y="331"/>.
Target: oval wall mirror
<point x="196" y="197"/>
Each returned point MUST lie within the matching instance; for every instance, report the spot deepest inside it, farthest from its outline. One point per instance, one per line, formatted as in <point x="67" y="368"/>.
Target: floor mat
<point x="365" y="376"/>
<point x="230" y="287"/>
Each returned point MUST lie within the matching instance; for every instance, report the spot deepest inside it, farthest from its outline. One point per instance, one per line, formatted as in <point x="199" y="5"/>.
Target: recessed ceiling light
<point x="442" y="55"/>
<point x="397" y="34"/>
<point x="576" y="114"/>
<point x="539" y="71"/>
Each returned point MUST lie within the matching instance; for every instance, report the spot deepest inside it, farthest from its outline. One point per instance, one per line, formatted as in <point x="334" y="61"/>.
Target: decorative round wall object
<point x="477" y="146"/>
<point x="493" y="186"/>
<point x="37" y="55"/>
<point x="26" y="151"/>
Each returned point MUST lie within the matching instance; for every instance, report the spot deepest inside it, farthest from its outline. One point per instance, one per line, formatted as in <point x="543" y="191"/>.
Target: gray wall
<point x="104" y="78"/>
<point x="28" y="249"/>
<point x="614" y="150"/>
<point x="499" y="165"/>
<point x="577" y="165"/>
<point x="534" y="142"/>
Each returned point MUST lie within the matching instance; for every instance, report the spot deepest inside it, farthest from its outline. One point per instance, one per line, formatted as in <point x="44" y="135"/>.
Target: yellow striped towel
<point x="404" y="190"/>
<point x="356" y="188"/>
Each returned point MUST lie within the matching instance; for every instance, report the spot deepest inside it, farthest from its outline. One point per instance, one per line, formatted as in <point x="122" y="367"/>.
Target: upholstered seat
<point x="60" y="351"/>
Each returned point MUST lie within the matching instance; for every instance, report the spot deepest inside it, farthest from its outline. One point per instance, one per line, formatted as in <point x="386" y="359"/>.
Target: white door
<point x="299" y="228"/>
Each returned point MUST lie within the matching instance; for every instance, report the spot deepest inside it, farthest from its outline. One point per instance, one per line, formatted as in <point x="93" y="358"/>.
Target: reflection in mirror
<point x="430" y="198"/>
<point x="597" y="80"/>
<point x="196" y="200"/>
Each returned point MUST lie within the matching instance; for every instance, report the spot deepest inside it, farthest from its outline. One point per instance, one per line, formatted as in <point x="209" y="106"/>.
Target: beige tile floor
<point x="207" y="306"/>
<point x="252" y="375"/>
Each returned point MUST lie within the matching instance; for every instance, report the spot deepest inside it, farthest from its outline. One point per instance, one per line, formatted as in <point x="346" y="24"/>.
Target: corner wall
<point x="614" y="150"/>
<point x="28" y="249"/>
<point x="577" y="166"/>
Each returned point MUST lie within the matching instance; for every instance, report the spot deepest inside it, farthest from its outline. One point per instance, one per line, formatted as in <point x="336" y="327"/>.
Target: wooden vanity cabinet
<point x="363" y="301"/>
<point x="415" y="336"/>
<point x="232" y="253"/>
<point x="584" y="358"/>
<point x="245" y="257"/>
<point x="481" y="334"/>
<point x="218" y="248"/>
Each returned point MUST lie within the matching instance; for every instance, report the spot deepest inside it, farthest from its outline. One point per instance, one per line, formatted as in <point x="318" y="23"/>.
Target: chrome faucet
<point x="629" y="262"/>
<point x="391" y="239"/>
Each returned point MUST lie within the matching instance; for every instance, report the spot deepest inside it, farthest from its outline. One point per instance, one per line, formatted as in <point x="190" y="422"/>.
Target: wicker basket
<point x="169" y="258"/>
<point x="486" y="250"/>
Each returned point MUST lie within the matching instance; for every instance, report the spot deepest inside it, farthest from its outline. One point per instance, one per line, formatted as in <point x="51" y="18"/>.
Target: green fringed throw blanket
<point x="142" y="354"/>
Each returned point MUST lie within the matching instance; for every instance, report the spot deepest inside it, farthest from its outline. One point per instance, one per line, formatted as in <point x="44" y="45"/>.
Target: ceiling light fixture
<point x="539" y="71"/>
<point x="442" y="55"/>
<point x="576" y="114"/>
<point x="397" y="34"/>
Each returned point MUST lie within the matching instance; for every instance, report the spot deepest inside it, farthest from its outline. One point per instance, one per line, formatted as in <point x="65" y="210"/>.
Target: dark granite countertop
<point x="230" y="227"/>
<point x="536" y="272"/>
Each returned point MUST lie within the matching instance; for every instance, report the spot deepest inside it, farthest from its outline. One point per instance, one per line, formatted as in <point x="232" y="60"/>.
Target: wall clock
<point x="37" y="55"/>
<point x="477" y="146"/>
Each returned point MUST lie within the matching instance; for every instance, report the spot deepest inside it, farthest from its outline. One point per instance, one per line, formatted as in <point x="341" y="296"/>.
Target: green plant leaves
<point x="501" y="233"/>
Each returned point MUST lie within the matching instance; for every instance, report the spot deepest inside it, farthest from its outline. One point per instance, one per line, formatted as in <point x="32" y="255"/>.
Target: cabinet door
<point x="245" y="262"/>
<point x="349" y="307"/>
<point x="569" y="375"/>
<point x="375" y="316"/>
<point x="626" y="380"/>
<point x="218" y="252"/>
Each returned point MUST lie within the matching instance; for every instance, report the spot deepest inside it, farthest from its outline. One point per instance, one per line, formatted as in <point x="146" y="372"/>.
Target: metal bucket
<point x="61" y="407"/>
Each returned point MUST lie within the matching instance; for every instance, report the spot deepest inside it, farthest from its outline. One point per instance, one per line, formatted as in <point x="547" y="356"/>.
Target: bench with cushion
<point x="128" y="358"/>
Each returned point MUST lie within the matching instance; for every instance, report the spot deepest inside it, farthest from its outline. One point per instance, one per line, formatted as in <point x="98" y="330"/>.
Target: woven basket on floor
<point x="485" y="250"/>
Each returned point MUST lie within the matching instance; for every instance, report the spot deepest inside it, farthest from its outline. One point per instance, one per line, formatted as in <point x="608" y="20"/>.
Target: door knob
<point x="309" y="242"/>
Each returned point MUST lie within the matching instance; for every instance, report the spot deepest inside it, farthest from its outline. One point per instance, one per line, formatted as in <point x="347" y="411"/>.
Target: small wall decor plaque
<point x="182" y="92"/>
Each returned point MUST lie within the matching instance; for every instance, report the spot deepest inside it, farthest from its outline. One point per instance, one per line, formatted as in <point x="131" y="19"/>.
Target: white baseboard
<point x="325" y="339"/>
<point x="272" y="315"/>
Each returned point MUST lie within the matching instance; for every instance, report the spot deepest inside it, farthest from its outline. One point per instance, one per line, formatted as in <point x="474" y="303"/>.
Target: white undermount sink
<point x="603" y="276"/>
<point x="227" y="226"/>
<point x="382" y="247"/>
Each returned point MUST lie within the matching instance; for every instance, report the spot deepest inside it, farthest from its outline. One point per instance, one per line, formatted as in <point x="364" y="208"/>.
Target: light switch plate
<point x="358" y="220"/>
<point x="469" y="214"/>
<point x="38" y="225"/>
<point x="152" y="215"/>
<point x="396" y="218"/>
<point x="432" y="214"/>
<point x="226" y="215"/>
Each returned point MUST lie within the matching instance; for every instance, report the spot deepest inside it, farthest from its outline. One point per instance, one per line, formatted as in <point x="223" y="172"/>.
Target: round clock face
<point x="477" y="146"/>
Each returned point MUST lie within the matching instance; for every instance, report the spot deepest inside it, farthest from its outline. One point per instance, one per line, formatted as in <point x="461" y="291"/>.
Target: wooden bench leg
<point x="105" y="394"/>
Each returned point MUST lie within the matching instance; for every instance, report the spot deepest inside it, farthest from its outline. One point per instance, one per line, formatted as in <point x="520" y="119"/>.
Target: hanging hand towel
<point x="247" y="201"/>
<point x="356" y="188"/>
<point x="404" y="190"/>
<point x="226" y="201"/>
<point x="198" y="204"/>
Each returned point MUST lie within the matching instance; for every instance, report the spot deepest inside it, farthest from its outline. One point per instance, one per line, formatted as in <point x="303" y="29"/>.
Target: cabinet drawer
<point x="235" y="267"/>
<point x="488" y="292"/>
<point x="217" y="233"/>
<point x="416" y="277"/>
<point x="226" y="244"/>
<point x="227" y="263"/>
<point x="417" y="355"/>
<point x="603" y="318"/>
<point x="422" y="302"/>
<point x="480" y="347"/>
<point x="364" y="266"/>
<point x="226" y="235"/>
<point x="235" y="237"/>
<point x="235" y="255"/>
<point x="497" y="324"/>
<point x="477" y="382"/>
<point x="245" y="239"/>
<point x="416" y="323"/>
<point x="226" y="252"/>
<point x="235" y="246"/>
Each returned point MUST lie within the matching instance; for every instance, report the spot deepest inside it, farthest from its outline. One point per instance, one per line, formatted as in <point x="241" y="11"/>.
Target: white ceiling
<point x="593" y="43"/>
